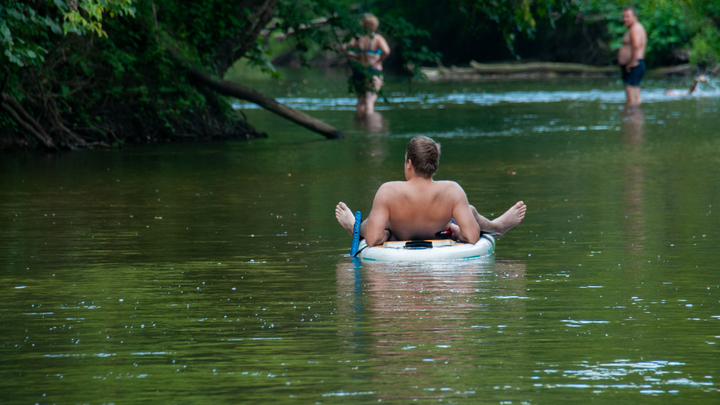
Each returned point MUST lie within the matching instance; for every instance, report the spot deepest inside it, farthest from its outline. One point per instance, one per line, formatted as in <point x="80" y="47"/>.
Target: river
<point x="216" y="272"/>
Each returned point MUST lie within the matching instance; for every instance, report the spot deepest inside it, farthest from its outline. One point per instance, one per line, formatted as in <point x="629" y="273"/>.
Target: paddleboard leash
<point x="356" y="234"/>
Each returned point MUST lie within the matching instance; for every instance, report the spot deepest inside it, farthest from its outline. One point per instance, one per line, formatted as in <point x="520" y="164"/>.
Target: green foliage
<point x="97" y="74"/>
<point x="27" y="28"/>
<point x="513" y="17"/>
<point x="327" y="24"/>
<point x="706" y="46"/>
<point x="85" y="16"/>
<point x="89" y="64"/>
<point x="670" y="24"/>
<point x="202" y="26"/>
<point x="704" y="16"/>
<point x="664" y="24"/>
<point x="24" y="33"/>
<point x="414" y="56"/>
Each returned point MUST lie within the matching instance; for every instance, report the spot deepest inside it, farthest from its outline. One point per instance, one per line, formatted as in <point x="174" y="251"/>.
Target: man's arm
<point x="469" y="228"/>
<point x="636" y="45"/>
<point x="375" y="232"/>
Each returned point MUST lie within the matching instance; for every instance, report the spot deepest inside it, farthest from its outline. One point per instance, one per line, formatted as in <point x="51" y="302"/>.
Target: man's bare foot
<point x="345" y="217"/>
<point x="510" y="218"/>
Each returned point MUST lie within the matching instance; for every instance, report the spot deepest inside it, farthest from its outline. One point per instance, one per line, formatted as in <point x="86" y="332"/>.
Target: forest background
<point x="79" y="73"/>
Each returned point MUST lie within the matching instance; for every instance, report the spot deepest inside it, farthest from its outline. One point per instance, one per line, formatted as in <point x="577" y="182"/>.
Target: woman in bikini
<point x="366" y="54"/>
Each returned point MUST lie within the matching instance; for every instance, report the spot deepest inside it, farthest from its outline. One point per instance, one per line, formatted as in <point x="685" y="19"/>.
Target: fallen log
<point x="241" y="92"/>
<point x="538" y="70"/>
<point x="673" y="70"/>
<point x="509" y="68"/>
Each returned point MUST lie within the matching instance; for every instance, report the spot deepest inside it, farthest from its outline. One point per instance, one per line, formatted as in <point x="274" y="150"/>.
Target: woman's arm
<point x="382" y="44"/>
<point x="351" y="44"/>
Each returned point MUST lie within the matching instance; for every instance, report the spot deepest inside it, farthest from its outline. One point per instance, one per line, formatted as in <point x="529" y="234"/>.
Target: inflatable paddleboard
<point x="426" y="250"/>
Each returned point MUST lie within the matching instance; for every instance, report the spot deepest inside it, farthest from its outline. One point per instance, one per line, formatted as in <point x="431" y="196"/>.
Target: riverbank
<point x="538" y="70"/>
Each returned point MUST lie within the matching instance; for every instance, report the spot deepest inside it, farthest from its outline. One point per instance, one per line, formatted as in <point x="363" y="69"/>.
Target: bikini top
<point x="377" y="52"/>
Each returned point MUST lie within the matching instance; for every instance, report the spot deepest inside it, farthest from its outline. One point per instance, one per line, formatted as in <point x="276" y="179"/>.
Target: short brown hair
<point x="424" y="153"/>
<point x="631" y="8"/>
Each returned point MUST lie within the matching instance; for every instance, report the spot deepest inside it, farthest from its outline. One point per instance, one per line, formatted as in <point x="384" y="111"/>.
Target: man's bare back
<point x="420" y="207"/>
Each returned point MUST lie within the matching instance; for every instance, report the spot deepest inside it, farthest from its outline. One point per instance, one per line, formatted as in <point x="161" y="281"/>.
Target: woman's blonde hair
<point x="370" y="22"/>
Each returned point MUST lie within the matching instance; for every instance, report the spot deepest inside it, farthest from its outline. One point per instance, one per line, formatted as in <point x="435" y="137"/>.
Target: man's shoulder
<point x="450" y="189"/>
<point x="391" y="187"/>
<point x="637" y="27"/>
<point x="389" y="191"/>
<point x="449" y="185"/>
<point x="393" y="184"/>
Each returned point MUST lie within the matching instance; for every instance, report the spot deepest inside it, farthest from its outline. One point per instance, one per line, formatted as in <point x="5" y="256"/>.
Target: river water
<point x="216" y="273"/>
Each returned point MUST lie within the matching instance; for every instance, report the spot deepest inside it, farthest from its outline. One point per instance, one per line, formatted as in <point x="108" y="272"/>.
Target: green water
<point x="216" y="273"/>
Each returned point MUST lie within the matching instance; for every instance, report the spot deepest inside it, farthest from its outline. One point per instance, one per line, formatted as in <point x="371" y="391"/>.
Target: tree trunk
<point x="25" y="120"/>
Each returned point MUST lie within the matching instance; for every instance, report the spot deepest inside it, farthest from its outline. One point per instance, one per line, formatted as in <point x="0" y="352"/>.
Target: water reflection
<point x="373" y="122"/>
<point x="435" y="320"/>
<point x="633" y="124"/>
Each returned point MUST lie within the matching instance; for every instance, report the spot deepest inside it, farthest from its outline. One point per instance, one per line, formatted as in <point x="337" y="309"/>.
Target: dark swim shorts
<point x="635" y="75"/>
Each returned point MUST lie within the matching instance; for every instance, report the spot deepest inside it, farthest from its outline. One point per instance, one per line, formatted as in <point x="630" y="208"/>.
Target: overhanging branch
<point x="230" y="89"/>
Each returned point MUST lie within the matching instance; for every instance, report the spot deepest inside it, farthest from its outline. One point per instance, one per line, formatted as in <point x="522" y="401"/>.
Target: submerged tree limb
<point x="230" y="89"/>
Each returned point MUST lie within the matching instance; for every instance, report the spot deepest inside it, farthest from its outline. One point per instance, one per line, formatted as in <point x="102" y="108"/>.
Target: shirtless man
<point x="420" y="207"/>
<point x="631" y="54"/>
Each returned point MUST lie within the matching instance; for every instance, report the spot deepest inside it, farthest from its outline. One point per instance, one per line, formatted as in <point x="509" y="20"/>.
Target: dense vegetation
<point x="104" y="72"/>
<point x="582" y="31"/>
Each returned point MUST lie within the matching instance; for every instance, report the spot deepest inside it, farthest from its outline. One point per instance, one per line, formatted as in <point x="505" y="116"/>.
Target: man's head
<point x="424" y="153"/>
<point x="370" y="22"/>
<point x="629" y="16"/>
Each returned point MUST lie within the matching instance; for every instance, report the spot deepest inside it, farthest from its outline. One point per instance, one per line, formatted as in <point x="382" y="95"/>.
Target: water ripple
<point x="484" y="99"/>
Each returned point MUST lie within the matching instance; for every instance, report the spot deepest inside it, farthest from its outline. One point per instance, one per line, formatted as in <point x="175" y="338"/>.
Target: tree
<point x="83" y="72"/>
<point x="28" y="31"/>
<point x="94" y="71"/>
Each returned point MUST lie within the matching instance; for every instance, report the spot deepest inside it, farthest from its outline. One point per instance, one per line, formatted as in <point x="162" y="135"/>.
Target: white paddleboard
<point x="430" y="250"/>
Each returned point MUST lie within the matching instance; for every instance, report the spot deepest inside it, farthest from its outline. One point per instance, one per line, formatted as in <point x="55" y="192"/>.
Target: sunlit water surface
<point x="216" y="273"/>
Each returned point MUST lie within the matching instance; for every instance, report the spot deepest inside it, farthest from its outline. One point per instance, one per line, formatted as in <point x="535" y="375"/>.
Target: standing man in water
<point x="631" y="54"/>
<point x="421" y="207"/>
